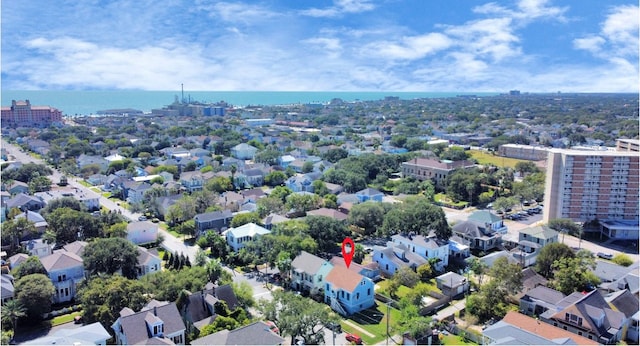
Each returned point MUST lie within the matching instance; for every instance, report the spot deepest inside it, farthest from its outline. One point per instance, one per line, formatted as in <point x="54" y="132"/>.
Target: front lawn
<point x="374" y="321"/>
<point x="62" y="319"/>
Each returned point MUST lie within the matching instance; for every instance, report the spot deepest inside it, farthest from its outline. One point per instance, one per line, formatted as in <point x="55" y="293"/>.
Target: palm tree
<point x="12" y="311"/>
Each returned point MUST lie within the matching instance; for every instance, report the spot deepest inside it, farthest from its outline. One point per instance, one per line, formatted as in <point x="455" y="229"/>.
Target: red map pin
<point x="348" y="248"/>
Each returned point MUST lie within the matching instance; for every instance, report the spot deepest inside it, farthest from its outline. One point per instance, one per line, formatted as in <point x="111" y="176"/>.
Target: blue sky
<point x="345" y="45"/>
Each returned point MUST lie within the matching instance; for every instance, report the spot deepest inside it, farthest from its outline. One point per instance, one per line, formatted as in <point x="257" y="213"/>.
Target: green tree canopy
<point x="35" y="292"/>
<point x="102" y="298"/>
<point x="548" y="255"/>
<point x="31" y="266"/>
<point x="286" y="309"/>
<point x="111" y="255"/>
<point x="416" y="215"/>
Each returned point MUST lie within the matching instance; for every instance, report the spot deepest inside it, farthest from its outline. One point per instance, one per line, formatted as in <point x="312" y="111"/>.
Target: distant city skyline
<point x="339" y="45"/>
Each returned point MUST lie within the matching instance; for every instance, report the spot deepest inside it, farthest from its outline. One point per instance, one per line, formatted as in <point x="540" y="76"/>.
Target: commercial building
<point x="628" y="145"/>
<point x="22" y="113"/>
<point x="523" y="152"/>
<point x="593" y="185"/>
<point x="434" y="170"/>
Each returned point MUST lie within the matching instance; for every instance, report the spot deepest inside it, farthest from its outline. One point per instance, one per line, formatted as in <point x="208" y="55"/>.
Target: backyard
<point x="374" y="322"/>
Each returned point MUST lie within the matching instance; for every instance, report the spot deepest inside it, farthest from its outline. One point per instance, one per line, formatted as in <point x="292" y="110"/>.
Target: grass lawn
<point x="84" y="183"/>
<point x="62" y="319"/>
<point x="455" y="340"/>
<point x="484" y="158"/>
<point x="442" y="198"/>
<point x="374" y="321"/>
<point x="384" y="289"/>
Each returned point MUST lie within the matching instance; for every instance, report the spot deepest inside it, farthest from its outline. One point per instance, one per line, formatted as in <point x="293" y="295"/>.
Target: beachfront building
<point x="22" y="113"/>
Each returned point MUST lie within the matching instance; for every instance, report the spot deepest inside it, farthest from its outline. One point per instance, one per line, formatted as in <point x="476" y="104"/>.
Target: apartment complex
<point x="590" y="185"/>
<point x="22" y="113"/>
<point x="434" y="170"/>
<point x="628" y="145"/>
<point x="523" y="152"/>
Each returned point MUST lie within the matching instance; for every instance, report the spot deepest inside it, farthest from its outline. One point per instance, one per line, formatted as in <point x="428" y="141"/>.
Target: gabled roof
<point x="609" y="271"/>
<point x="134" y="325"/>
<point x="145" y="256"/>
<point x="7" y="286"/>
<point x="590" y="306"/>
<point x="451" y="279"/>
<point x="545" y="330"/>
<point x="22" y="199"/>
<point x="77" y="247"/>
<point x="484" y="216"/>
<point x="214" y="215"/>
<point x="250" y="229"/>
<point x="332" y="213"/>
<point x="257" y="333"/>
<point x="470" y="228"/>
<point x="61" y="260"/>
<point x="624" y="301"/>
<point x="540" y="232"/>
<point x="546" y="294"/>
<point x="369" y="192"/>
<point x="420" y="240"/>
<point x="342" y="278"/>
<point x="307" y="263"/>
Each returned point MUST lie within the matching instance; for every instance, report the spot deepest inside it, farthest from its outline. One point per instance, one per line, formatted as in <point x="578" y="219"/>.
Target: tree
<point x="117" y="230"/>
<point x="201" y="258"/>
<point x="526" y="167"/>
<point x="275" y="178"/>
<point x="368" y="216"/>
<point x="302" y="203"/>
<point x="244" y="293"/>
<point x="35" y="292"/>
<point x="507" y="276"/>
<point x="327" y="232"/>
<point x="319" y="188"/>
<point x="220" y="323"/>
<point x="358" y="254"/>
<point x="268" y="205"/>
<point x="286" y="310"/>
<point x="406" y="277"/>
<point x="565" y="226"/>
<point x="70" y="225"/>
<point x="111" y="255"/>
<point x="102" y="298"/>
<point x="12" y="311"/>
<point x="548" y="255"/>
<point x="425" y="272"/>
<point x="16" y="229"/>
<point x="219" y="184"/>
<point x="245" y="218"/>
<point x="416" y="215"/>
<point x="214" y="270"/>
<point x="31" y="266"/>
<point x="39" y="184"/>
<point x="167" y="284"/>
<point x="281" y="192"/>
<point x="572" y="274"/>
<point x="478" y="268"/>
<point x="504" y="203"/>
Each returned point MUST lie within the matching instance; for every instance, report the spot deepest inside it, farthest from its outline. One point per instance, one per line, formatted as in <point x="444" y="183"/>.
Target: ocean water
<point x="72" y="102"/>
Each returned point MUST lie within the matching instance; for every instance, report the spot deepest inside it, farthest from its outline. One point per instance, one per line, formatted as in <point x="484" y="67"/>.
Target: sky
<point x="321" y="45"/>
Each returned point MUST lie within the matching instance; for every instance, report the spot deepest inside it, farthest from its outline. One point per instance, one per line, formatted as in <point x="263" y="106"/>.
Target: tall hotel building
<point x="589" y="185"/>
<point x="22" y="113"/>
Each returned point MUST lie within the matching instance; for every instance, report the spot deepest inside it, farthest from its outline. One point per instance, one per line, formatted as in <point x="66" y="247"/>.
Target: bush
<point x="622" y="259"/>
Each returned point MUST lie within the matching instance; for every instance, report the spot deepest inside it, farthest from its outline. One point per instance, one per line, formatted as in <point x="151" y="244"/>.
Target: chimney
<point x="155" y="311"/>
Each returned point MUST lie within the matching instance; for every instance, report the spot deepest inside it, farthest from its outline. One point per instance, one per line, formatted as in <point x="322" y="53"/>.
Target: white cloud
<point x="339" y="8"/>
<point x="618" y="37"/>
<point x="410" y="47"/>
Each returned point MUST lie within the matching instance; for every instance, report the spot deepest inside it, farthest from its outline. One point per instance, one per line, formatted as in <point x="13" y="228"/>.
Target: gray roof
<point x="7" y="286"/>
<point x="545" y="294"/>
<point x="609" y="271"/>
<point x="420" y="240"/>
<point x="484" y="216"/>
<point x="308" y="263"/>
<point x="257" y="333"/>
<point x="451" y="279"/>
<point x="77" y="247"/>
<point x="91" y="334"/>
<point x="214" y="215"/>
<point x="61" y="260"/>
<point x="21" y="199"/>
<point x="540" y="232"/>
<point x="144" y="256"/>
<point x="624" y="301"/>
<point x="470" y="228"/>
<point x="369" y="192"/>
<point x="503" y="333"/>
<point x="134" y="326"/>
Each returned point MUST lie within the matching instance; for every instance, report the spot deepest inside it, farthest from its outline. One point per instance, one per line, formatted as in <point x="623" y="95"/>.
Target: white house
<point x="142" y="232"/>
<point x="426" y="247"/>
<point x="308" y="272"/>
<point x="237" y="237"/>
<point x="244" y="151"/>
<point x="148" y="262"/>
<point x="65" y="270"/>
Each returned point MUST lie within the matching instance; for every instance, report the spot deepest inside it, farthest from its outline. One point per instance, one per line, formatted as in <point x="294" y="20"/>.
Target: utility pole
<point x="388" y="313"/>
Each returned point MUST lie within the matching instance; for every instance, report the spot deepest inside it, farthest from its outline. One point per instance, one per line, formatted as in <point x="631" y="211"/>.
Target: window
<point x="368" y="291"/>
<point x="357" y="296"/>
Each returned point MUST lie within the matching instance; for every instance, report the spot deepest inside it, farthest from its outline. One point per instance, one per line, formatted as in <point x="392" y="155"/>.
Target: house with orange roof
<point x="519" y="329"/>
<point x="348" y="292"/>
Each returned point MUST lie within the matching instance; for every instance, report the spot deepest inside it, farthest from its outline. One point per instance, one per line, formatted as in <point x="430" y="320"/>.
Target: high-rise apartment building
<point x="589" y="185"/>
<point x="22" y="113"/>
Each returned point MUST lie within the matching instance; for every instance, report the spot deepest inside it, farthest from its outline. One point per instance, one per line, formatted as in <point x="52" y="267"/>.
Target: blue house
<point x="348" y="292"/>
<point x="300" y="183"/>
<point x="369" y="194"/>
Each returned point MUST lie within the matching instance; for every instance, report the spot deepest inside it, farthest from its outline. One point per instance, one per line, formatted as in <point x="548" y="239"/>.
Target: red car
<point x="355" y="338"/>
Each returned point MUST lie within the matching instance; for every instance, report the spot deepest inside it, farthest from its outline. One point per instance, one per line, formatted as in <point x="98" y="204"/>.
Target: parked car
<point x="605" y="255"/>
<point x="142" y="218"/>
<point x="355" y="338"/>
<point x="335" y="327"/>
